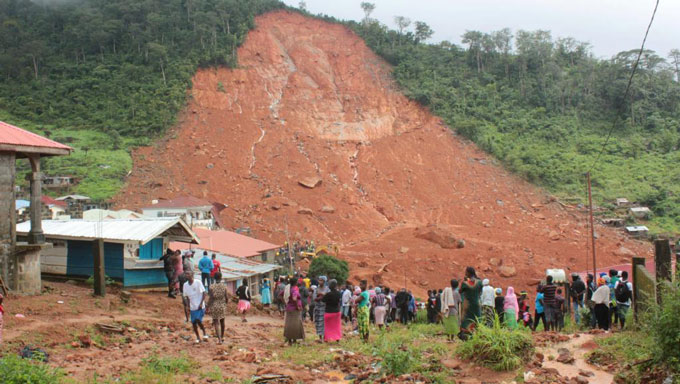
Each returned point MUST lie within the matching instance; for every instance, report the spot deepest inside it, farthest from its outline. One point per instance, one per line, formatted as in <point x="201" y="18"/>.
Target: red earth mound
<point x="310" y="138"/>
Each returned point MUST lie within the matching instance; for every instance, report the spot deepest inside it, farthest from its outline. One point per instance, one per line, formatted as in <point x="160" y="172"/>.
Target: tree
<point x="402" y="23"/>
<point x="474" y="41"/>
<point x="331" y="267"/>
<point x="423" y="31"/>
<point x="368" y="9"/>
<point x="303" y="6"/>
<point x="674" y="55"/>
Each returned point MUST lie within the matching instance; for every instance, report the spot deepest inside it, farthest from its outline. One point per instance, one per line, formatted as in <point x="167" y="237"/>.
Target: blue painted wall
<point x="145" y="277"/>
<point x="153" y="250"/>
<point x="80" y="259"/>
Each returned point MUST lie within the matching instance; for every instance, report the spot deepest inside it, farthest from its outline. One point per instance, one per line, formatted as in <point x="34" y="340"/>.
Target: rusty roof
<point x="229" y="243"/>
<point x="15" y="139"/>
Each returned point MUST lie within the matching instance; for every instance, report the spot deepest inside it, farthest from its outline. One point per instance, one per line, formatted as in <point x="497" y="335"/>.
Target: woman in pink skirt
<point x="243" y="293"/>
<point x="332" y="317"/>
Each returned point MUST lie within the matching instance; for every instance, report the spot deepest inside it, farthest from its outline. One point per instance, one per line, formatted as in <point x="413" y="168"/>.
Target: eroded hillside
<point x="310" y="100"/>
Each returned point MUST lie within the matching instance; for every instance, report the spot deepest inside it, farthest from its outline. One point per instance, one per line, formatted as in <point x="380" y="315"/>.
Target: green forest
<point x="104" y="76"/>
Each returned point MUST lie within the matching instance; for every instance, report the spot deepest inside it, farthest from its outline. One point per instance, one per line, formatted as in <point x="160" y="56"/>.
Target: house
<point x="622" y="202"/>
<point x="639" y="231"/>
<point x="53" y="209"/>
<point x="55" y="182"/>
<point x="132" y="247"/>
<point x="20" y="261"/>
<point x="77" y="204"/>
<point x="640" y="212"/>
<point x="105" y="214"/>
<point x="234" y="270"/>
<point x="194" y="211"/>
<point x="235" y="245"/>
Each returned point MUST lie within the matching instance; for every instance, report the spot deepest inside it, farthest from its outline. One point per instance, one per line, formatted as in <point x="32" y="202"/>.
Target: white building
<point x="195" y="212"/>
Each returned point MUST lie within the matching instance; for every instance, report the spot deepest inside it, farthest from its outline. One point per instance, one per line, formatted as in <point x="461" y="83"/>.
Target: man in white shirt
<point x="194" y="292"/>
<point x="488" y="303"/>
<point x="346" y="298"/>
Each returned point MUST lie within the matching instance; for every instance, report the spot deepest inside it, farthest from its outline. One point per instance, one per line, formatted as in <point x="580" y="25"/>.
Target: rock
<point x="496" y="262"/>
<point x="580" y="380"/>
<point x="85" y="341"/>
<point x="275" y="207"/>
<point x="565" y="356"/>
<point x="438" y="236"/>
<point x="507" y="271"/>
<point x="305" y="211"/>
<point x="451" y="363"/>
<point x="585" y="373"/>
<point x="403" y="249"/>
<point x="125" y="296"/>
<point x="460" y="243"/>
<point x="310" y="182"/>
<point x="624" y="252"/>
<point x="209" y="165"/>
<point x="327" y="209"/>
<point x="554" y="235"/>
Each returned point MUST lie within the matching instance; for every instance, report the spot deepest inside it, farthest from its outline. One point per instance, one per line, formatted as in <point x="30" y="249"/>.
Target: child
<point x="526" y="318"/>
<point x="559" y="309"/>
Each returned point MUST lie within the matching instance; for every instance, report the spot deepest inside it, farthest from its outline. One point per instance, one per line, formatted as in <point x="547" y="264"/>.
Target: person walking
<point x="169" y="270"/>
<point x="243" y="293"/>
<point x="539" y="312"/>
<point x="601" y="301"/>
<point x="380" y="302"/>
<point x="498" y="301"/>
<point x="470" y="290"/>
<point x="559" y="309"/>
<point x="363" y="304"/>
<point x="450" y="309"/>
<point x="293" y="330"/>
<point x="216" y="268"/>
<point x="205" y="265"/>
<point x="577" y="293"/>
<point x="623" y="291"/>
<point x="488" y="303"/>
<point x="266" y="293"/>
<point x="511" y="308"/>
<point x="346" y="298"/>
<point x="218" y="298"/>
<point x="320" y="306"/>
<point x="332" y="317"/>
<point x="195" y="294"/>
<point x="278" y="295"/>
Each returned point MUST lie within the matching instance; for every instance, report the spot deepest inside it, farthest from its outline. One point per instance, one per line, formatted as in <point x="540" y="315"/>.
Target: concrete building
<point x="105" y="214"/>
<point x="20" y="261"/>
<point x="196" y="212"/>
<point x="132" y="247"/>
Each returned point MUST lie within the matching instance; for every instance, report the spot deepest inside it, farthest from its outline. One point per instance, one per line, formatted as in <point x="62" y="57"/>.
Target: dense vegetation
<point x="102" y="75"/>
<point x="544" y="107"/>
<point x="106" y="75"/>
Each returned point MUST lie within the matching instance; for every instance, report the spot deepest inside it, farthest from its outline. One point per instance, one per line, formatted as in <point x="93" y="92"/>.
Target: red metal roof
<point x="19" y="140"/>
<point x="227" y="243"/>
<point x="50" y="201"/>
<point x="181" y="202"/>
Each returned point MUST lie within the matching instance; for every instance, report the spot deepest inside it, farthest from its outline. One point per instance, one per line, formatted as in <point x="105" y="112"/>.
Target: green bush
<point x="167" y="365"/>
<point x="663" y="324"/>
<point x="331" y="267"/>
<point x="498" y="348"/>
<point x="15" y="370"/>
<point x="398" y="361"/>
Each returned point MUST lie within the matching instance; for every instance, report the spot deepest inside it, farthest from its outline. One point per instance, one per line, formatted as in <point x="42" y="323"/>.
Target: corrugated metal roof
<point x="230" y="243"/>
<point x="181" y="202"/>
<point x="234" y="268"/>
<point x="139" y="230"/>
<point x="15" y="136"/>
<point x="73" y="197"/>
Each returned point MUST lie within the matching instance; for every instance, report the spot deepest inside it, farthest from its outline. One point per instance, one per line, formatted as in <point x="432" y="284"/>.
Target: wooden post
<point x="662" y="261"/>
<point x="636" y="293"/>
<point x="592" y="226"/>
<point x="99" y="268"/>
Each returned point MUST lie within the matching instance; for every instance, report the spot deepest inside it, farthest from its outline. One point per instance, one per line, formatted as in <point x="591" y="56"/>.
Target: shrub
<point x="663" y="324"/>
<point x="498" y="348"/>
<point x="331" y="267"/>
<point x="15" y="370"/>
<point x="171" y="365"/>
<point x="398" y="361"/>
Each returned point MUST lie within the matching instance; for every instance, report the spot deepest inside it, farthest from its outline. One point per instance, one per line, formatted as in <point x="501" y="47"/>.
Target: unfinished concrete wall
<point x="28" y="280"/>
<point x="7" y="216"/>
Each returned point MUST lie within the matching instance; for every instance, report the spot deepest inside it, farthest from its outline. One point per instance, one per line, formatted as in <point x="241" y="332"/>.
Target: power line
<point x="630" y="81"/>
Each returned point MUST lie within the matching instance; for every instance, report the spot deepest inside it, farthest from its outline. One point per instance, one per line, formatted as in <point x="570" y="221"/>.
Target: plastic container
<point x="558" y="275"/>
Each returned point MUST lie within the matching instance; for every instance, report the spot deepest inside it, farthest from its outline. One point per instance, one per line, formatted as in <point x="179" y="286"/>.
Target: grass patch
<point x="15" y="370"/>
<point x="498" y="348"/>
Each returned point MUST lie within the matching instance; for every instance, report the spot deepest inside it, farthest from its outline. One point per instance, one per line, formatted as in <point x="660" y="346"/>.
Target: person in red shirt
<point x="216" y="268"/>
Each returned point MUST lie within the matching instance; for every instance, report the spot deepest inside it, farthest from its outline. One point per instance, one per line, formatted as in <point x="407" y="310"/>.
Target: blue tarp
<point x="22" y="204"/>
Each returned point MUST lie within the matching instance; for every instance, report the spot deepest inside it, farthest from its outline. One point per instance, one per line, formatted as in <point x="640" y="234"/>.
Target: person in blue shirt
<point x="539" y="313"/>
<point x="205" y="265"/>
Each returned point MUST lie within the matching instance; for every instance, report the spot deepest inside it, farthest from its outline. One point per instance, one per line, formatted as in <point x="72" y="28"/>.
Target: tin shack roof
<point x="233" y="268"/>
<point x="229" y="243"/>
<point x="118" y="230"/>
<point x="21" y="141"/>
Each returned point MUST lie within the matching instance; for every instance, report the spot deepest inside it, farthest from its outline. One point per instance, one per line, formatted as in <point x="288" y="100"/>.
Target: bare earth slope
<point x="309" y="99"/>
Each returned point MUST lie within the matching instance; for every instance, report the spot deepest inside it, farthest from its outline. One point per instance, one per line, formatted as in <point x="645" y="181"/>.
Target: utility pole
<point x="592" y="226"/>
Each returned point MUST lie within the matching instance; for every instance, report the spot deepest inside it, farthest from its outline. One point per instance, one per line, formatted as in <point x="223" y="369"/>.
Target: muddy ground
<point x="63" y="321"/>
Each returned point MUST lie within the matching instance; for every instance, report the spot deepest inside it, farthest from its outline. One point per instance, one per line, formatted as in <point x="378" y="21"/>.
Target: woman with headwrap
<point x="293" y="329"/>
<point x="601" y="300"/>
<point x="363" y="305"/>
<point x="320" y="306"/>
<point x="499" y="300"/>
<point x="380" y="302"/>
<point x="332" y="318"/>
<point x="450" y="309"/>
<point x="511" y="308"/>
<point x="470" y="290"/>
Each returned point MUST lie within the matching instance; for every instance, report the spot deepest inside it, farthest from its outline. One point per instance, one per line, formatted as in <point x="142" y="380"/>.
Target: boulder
<point x="438" y="236"/>
<point x="305" y="211"/>
<point x="624" y="252"/>
<point x="403" y="249"/>
<point x="565" y="356"/>
<point x="496" y="262"/>
<point x="507" y="271"/>
<point x="327" y="209"/>
<point x="310" y="182"/>
<point x="554" y="235"/>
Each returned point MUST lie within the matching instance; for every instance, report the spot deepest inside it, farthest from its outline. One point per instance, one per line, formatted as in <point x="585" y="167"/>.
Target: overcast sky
<point x="610" y="26"/>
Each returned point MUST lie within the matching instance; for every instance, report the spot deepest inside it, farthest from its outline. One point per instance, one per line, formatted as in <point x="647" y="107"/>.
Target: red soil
<point x="310" y="99"/>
